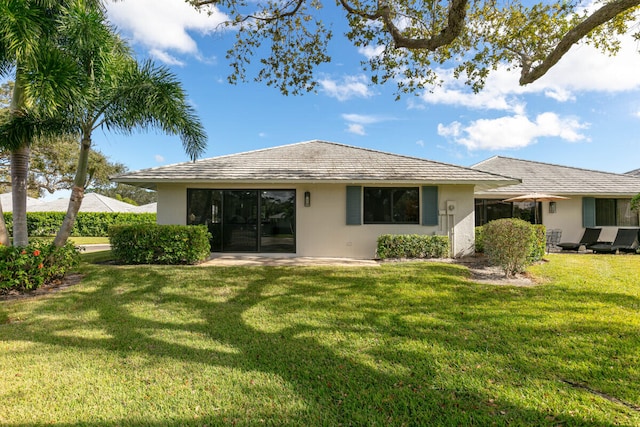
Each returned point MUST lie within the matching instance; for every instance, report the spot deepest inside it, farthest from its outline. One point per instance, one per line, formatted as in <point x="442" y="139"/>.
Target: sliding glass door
<point x="245" y="220"/>
<point x="277" y="220"/>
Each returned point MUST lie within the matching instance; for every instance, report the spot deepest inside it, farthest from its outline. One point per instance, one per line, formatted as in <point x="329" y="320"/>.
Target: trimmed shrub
<point x="87" y="224"/>
<point x="412" y="246"/>
<point x="538" y="246"/>
<point x="29" y="267"/>
<point x="510" y="243"/>
<point x="538" y="243"/>
<point x="159" y="244"/>
<point x="479" y="239"/>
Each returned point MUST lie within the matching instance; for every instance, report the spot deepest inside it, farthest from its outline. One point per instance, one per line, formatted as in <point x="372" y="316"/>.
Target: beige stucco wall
<point x="321" y="229"/>
<point x="568" y="218"/>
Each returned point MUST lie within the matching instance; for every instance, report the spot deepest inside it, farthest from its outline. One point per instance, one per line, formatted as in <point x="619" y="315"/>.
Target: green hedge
<point x="88" y="224"/>
<point x="412" y="246"/>
<point x="159" y="244"/>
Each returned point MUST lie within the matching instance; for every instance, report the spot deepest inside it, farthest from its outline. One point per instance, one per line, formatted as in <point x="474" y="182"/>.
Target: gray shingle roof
<point x="7" y="202"/>
<point x="540" y="177"/>
<point x="635" y="172"/>
<point x="314" y="161"/>
<point x="92" y="202"/>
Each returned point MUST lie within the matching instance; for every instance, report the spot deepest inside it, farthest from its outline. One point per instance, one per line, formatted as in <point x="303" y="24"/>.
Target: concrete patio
<point x="283" y="260"/>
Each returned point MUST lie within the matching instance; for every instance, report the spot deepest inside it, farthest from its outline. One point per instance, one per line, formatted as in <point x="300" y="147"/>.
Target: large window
<point x="615" y="212"/>
<point x="391" y="205"/>
<point x="245" y="220"/>
<point x="490" y="209"/>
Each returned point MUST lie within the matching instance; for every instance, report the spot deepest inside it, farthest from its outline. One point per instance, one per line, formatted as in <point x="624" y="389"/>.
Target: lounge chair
<point x="589" y="238"/>
<point x="626" y="241"/>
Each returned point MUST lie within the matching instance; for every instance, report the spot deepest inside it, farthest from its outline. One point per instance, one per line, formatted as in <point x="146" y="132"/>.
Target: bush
<point x="479" y="239"/>
<point x="29" y="267"/>
<point x="159" y="244"/>
<point x="87" y="224"/>
<point x="412" y="246"/>
<point x="538" y="247"/>
<point x="512" y="244"/>
<point x="538" y="243"/>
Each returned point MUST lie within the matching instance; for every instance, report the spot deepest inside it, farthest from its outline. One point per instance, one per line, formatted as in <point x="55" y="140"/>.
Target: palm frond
<point x="52" y="83"/>
<point x="21" y="130"/>
<point x="152" y="97"/>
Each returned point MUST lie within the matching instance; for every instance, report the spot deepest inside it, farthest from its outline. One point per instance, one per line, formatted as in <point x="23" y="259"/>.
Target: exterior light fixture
<point x="552" y="207"/>
<point x="307" y="199"/>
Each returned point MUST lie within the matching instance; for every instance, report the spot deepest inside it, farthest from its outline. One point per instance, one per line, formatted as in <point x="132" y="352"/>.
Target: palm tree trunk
<point x="77" y="193"/>
<point x="4" y="233"/>
<point x="19" y="172"/>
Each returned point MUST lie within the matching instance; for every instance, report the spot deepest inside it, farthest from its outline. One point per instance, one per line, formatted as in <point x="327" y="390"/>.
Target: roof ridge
<point x="371" y="150"/>
<point x="553" y="164"/>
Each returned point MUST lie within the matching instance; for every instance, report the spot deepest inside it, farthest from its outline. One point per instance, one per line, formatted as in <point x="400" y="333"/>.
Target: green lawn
<point x="403" y="344"/>
<point x="81" y="240"/>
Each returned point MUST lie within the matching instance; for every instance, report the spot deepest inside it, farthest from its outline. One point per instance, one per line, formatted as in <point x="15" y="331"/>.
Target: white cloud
<point x="511" y="132"/>
<point x="500" y="92"/>
<point x="356" y="122"/>
<point x="158" y="158"/>
<point x="165" y="57"/>
<point x="582" y="69"/>
<point x="412" y="104"/>
<point x="362" y="118"/>
<point x="355" y="128"/>
<point x="349" y="87"/>
<point x="371" y="51"/>
<point x="262" y="134"/>
<point x="163" y="25"/>
<point x="420" y="143"/>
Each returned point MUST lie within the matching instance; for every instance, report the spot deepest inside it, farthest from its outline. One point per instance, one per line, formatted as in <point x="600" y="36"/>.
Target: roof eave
<point x="153" y="183"/>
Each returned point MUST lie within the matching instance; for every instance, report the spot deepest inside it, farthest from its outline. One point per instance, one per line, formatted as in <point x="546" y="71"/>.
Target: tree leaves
<point x="414" y="37"/>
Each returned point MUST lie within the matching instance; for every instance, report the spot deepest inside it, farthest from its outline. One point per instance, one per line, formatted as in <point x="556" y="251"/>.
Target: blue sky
<point x="585" y="112"/>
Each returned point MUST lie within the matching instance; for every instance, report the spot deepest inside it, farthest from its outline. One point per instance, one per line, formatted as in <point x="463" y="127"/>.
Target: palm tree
<point x="120" y="95"/>
<point x="44" y="82"/>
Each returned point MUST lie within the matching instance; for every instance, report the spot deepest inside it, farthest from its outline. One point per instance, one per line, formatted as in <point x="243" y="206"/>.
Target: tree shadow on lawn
<point x="417" y="346"/>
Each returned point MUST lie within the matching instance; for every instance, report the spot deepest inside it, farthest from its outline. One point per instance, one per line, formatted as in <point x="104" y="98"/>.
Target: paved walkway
<point x="95" y="247"/>
<point x="284" y="261"/>
<point x="225" y="259"/>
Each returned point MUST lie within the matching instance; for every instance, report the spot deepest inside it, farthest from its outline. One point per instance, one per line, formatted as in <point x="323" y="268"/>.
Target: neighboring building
<point x="148" y="208"/>
<point x="596" y="199"/>
<point x="635" y="172"/>
<point x="92" y="202"/>
<point x="318" y="198"/>
<point x="7" y="202"/>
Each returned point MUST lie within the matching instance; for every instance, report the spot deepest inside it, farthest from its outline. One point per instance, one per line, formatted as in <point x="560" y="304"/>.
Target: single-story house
<point x="6" y="199"/>
<point x="148" y="208"/>
<point x="318" y="198"/>
<point x="92" y="202"/>
<point x="595" y="198"/>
